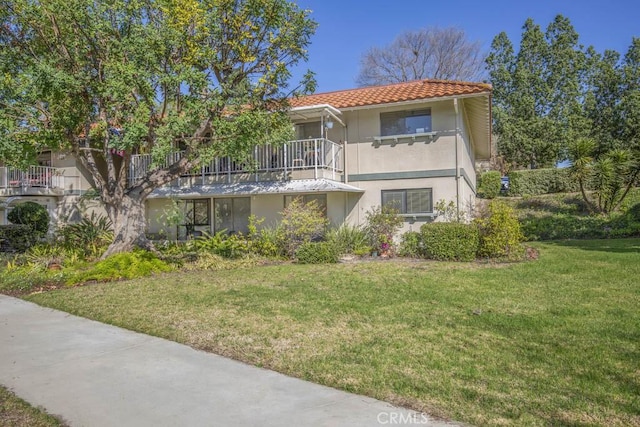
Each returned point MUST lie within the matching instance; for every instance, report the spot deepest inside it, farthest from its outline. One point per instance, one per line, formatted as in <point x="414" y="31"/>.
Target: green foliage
<point x="264" y="241"/>
<point x="16" y="237"/>
<point x="537" y="93"/>
<point x="634" y="212"/>
<point x="500" y="233"/>
<point x="562" y="216"/>
<point x="223" y="244"/>
<point x="349" y="239"/>
<point x="301" y="223"/>
<point x="449" y="241"/>
<point x="449" y="212"/>
<point x="168" y="74"/>
<point x="489" y="185"/>
<point x="532" y="182"/>
<point x="92" y="234"/>
<point x="317" y="253"/>
<point x="32" y="214"/>
<point x="610" y="173"/>
<point x="411" y="245"/>
<point x="126" y="265"/>
<point x="382" y="224"/>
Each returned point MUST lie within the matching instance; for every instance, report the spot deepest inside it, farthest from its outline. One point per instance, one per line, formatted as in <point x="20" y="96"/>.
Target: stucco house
<point x="410" y="144"/>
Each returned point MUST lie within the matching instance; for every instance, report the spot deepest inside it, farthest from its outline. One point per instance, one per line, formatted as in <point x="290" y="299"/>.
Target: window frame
<point x="403" y="115"/>
<point x="234" y="213"/>
<point x="404" y="198"/>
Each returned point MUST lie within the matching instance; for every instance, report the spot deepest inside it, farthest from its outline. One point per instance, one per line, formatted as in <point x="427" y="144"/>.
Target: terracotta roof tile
<point x="398" y="92"/>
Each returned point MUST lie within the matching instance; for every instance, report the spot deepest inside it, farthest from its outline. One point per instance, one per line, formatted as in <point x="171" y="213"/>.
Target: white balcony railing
<point x="316" y="154"/>
<point x="35" y="176"/>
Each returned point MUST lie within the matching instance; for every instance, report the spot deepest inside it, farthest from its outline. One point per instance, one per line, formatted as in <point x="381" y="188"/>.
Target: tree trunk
<point x="129" y="225"/>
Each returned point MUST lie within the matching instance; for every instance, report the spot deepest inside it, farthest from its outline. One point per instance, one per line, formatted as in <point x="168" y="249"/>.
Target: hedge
<point x="450" y="241"/>
<point x="541" y="181"/>
<point x="16" y="237"/>
<point x="489" y="185"/>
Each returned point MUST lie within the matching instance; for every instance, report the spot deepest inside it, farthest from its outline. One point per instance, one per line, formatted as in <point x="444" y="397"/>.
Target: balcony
<point x="302" y="159"/>
<point x="35" y="180"/>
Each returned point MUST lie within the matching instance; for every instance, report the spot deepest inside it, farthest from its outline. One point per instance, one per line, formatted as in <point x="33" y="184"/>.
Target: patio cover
<point x="256" y="188"/>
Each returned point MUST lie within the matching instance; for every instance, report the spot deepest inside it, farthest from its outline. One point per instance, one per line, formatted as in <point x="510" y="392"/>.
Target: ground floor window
<point x="197" y="218"/>
<point x="232" y="214"/>
<point x="320" y="199"/>
<point x="409" y="202"/>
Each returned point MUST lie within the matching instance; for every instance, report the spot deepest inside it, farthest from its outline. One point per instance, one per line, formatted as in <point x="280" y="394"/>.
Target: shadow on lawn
<point x="631" y="245"/>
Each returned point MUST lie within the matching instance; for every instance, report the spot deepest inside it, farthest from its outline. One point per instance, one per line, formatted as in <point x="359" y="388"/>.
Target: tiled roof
<point x="398" y="92"/>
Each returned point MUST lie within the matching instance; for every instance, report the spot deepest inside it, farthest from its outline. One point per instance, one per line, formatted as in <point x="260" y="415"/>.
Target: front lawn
<point x="551" y="341"/>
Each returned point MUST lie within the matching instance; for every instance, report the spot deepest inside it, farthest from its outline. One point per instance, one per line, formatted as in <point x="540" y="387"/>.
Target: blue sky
<point x="347" y="28"/>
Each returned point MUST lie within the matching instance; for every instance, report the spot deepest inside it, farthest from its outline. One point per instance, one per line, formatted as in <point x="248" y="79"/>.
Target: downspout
<point x="344" y="173"/>
<point x="455" y="107"/>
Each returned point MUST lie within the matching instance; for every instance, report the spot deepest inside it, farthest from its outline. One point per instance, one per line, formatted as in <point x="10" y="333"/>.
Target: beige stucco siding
<point x="366" y="156"/>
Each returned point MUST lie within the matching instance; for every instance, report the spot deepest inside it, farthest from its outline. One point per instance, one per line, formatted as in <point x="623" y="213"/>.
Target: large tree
<point x="538" y="93"/>
<point x="108" y="79"/>
<point x="607" y="157"/>
<point x="429" y="53"/>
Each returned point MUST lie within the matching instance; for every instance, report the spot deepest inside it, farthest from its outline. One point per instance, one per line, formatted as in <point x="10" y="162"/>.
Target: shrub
<point x="541" y="181"/>
<point x="31" y="214"/>
<point x="93" y="234"/>
<point x="317" y="253"/>
<point x="500" y="234"/>
<point x="349" y="239"/>
<point x="301" y="223"/>
<point x="264" y="241"/>
<point x="450" y="241"/>
<point x="382" y="223"/>
<point x="411" y="245"/>
<point x="489" y="185"/>
<point x="16" y="237"/>
<point x="126" y="265"/>
<point x="633" y="213"/>
<point x="223" y="244"/>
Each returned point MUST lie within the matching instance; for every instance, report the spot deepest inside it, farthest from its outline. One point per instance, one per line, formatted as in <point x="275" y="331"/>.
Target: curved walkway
<point x="92" y="374"/>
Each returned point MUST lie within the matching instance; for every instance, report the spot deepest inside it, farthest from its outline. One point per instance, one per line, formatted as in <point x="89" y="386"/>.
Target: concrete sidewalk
<point x="92" y="374"/>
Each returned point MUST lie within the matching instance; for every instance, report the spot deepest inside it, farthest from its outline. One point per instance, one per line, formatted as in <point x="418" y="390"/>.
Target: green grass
<point x="15" y="412"/>
<point x="554" y="341"/>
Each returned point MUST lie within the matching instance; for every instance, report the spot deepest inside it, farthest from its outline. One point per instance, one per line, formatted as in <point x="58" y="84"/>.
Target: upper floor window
<point x="409" y="202"/>
<point x="405" y="122"/>
<point x="309" y="130"/>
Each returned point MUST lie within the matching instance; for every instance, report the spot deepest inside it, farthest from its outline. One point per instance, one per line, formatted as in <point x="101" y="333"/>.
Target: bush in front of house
<point x="349" y="239"/>
<point x="223" y="244"/>
<point x="33" y="215"/>
<point x="317" y="253"/>
<point x="382" y="224"/>
<point x="16" y="237"/>
<point x="411" y="245"/>
<point x="489" y="185"/>
<point x="126" y="265"/>
<point x="301" y="223"/>
<point x="93" y="234"/>
<point x="450" y="241"/>
<point x="500" y="233"/>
